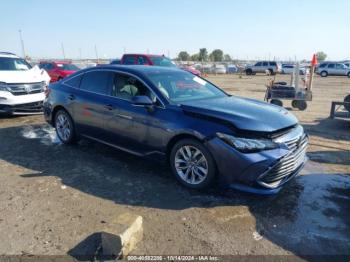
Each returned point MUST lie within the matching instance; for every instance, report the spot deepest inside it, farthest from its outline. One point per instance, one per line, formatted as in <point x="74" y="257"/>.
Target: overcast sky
<point x="254" y="29"/>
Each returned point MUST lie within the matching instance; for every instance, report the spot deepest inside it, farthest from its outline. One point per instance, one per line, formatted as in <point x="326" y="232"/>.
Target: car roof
<point x="8" y="54"/>
<point x="56" y="62"/>
<point x="137" y="69"/>
<point x="148" y="55"/>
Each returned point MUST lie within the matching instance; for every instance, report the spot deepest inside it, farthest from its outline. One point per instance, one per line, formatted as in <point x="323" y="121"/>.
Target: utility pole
<point x="22" y="43"/>
<point x="64" y="54"/>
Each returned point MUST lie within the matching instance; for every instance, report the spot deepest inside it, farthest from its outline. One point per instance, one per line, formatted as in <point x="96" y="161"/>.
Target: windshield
<point x="13" y="64"/>
<point x="162" y="61"/>
<point x="183" y="86"/>
<point x="68" y="67"/>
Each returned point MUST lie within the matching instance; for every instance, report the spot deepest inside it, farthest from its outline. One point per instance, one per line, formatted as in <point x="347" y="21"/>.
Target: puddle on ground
<point x="45" y="133"/>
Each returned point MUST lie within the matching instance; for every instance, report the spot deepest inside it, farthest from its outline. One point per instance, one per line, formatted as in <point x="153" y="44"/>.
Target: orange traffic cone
<point x="314" y="60"/>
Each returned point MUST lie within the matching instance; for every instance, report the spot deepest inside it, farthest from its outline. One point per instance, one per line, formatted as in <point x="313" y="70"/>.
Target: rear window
<point x="68" y="67"/>
<point x="74" y="81"/>
<point x="162" y="61"/>
<point x="96" y="81"/>
<point x="129" y="60"/>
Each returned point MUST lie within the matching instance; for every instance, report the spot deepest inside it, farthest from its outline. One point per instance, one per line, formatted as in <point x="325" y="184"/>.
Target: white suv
<point x="21" y="86"/>
<point x="263" y="66"/>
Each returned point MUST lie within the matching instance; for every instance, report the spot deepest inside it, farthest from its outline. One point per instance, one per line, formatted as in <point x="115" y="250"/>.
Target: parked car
<point x="219" y="69"/>
<point x="58" y="70"/>
<point x="143" y="59"/>
<point x="332" y="68"/>
<point x="22" y="86"/>
<point x="289" y="69"/>
<point x="116" y="62"/>
<point x="190" y="69"/>
<point x="232" y="69"/>
<point x="262" y="67"/>
<point x="172" y="115"/>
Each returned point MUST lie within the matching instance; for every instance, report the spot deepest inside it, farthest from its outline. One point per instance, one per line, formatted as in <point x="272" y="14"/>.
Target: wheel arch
<point x="179" y="137"/>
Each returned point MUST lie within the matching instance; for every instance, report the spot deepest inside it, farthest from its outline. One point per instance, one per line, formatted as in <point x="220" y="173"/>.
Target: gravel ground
<point x="53" y="196"/>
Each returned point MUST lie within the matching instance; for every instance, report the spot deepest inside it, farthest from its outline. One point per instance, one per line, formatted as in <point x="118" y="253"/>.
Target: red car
<point x="58" y="70"/>
<point x="191" y="69"/>
<point x="142" y="59"/>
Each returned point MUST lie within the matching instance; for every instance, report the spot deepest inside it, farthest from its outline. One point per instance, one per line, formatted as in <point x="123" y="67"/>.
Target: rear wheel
<point x="192" y="164"/>
<point x="295" y="103"/>
<point x="301" y="105"/>
<point x="271" y="72"/>
<point x="324" y="74"/>
<point x="349" y="74"/>
<point x="249" y="72"/>
<point x="276" y="102"/>
<point x="65" y="127"/>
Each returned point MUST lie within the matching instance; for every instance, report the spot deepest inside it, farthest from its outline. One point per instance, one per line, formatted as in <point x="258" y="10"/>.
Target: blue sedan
<point x="168" y="114"/>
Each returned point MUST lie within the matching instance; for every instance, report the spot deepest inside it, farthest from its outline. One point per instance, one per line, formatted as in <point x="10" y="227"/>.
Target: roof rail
<point x="7" y="53"/>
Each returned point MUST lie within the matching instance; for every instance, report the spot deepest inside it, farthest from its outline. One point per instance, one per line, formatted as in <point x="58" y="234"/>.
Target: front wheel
<point x="192" y="164"/>
<point x="65" y="127"/>
<point x="349" y="74"/>
<point x="324" y="74"/>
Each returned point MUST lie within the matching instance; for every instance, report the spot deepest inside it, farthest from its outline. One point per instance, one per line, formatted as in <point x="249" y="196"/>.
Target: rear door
<point x="92" y="103"/>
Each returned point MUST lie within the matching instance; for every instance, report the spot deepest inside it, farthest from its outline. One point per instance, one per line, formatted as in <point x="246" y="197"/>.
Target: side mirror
<point x="141" y="101"/>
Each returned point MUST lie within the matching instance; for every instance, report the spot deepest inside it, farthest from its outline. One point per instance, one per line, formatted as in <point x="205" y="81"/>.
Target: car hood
<point x="243" y="113"/>
<point x="32" y="75"/>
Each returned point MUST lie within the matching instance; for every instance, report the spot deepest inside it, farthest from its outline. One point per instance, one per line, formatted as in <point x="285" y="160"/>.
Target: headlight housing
<point x="248" y="145"/>
<point x="3" y="86"/>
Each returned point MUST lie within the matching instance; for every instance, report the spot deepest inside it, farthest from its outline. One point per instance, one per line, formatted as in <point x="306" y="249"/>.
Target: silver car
<point x="330" y="68"/>
<point x="262" y="67"/>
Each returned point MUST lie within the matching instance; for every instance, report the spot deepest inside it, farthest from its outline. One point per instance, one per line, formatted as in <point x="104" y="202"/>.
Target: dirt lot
<point x="53" y="196"/>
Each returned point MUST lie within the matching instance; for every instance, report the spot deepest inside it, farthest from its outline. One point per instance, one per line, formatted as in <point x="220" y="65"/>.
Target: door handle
<point x="109" y="107"/>
<point x="71" y="97"/>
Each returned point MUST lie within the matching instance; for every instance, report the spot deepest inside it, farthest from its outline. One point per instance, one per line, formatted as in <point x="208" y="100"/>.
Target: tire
<point x="349" y="74"/>
<point x="295" y="103"/>
<point x="324" y="74"/>
<point x="271" y="72"/>
<point x="64" y="126"/>
<point x="248" y="72"/>
<point x="301" y="105"/>
<point x="283" y="73"/>
<point x="192" y="164"/>
<point x="276" y="102"/>
<point x="347" y="100"/>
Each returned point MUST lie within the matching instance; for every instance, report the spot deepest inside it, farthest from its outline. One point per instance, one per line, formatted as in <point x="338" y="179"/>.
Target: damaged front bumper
<point x="263" y="172"/>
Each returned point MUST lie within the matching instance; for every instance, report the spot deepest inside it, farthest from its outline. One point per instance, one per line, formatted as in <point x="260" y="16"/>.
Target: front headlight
<point x="3" y="86"/>
<point x="248" y="145"/>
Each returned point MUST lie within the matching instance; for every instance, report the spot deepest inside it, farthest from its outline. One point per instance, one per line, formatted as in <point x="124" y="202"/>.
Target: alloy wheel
<point x="191" y="165"/>
<point x="63" y="127"/>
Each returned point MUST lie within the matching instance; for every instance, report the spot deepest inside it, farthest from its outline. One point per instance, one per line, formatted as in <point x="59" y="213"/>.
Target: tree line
<point x="216" y="55"/>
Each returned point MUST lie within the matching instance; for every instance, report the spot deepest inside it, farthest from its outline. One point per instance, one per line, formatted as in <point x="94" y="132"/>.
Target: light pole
<point x="22" y="43"/>
<point x="64" y="54"/>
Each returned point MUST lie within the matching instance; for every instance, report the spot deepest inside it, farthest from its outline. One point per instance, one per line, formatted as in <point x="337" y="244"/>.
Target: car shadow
<point x="325" y="127"/>
<point x="307" y="217"/>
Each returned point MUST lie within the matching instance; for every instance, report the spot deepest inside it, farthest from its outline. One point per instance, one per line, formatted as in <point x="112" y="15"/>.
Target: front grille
<point x="25" y="89"/>
<point x="28" y="108"/>
<point x="288" y="165"/>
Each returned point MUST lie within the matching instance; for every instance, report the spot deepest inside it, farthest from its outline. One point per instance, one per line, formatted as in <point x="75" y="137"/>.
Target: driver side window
<point x="126" y="87"/>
